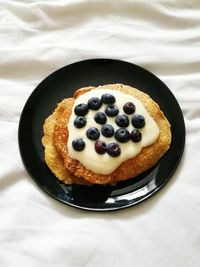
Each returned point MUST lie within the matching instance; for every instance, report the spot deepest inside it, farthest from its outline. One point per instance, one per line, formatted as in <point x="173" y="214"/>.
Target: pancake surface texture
<point x="70" y="170"/>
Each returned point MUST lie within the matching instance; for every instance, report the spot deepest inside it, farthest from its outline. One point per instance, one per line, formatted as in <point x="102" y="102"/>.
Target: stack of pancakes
<point x="72" y="171"/>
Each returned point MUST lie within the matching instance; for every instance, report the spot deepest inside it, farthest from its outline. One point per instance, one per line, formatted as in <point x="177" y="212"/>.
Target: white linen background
<point x="39" y="37"/>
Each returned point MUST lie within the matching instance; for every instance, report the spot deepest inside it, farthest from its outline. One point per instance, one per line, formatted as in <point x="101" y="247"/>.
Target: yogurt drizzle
<point x="105" y="164"/>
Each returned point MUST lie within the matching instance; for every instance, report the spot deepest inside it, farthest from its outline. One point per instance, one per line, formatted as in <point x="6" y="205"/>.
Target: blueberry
<point x="112" y="110"/>
<point x="122" y="120"/>
<point x="107" y="130"/>
<point x="122" y="135"/>
<point x="100" y="118"/>
<point x="138" y="121"/>
<point x="136" y="136"/>
<point x="93" y="133"/>
<point x="129" y="108"/>
<point x="81" y="109"/>
<point x="78" y="144"/>
<point x="100" y="147"/>
<point x="94" y="103"/>
<point x="108" y="99"/>
<point x="113" y="149"/>
<point x="80" y="122"/>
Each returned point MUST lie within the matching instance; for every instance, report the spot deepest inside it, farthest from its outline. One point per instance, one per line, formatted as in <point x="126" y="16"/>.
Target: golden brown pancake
<point x="147" y="158"/>
<point x="53" y="159"/>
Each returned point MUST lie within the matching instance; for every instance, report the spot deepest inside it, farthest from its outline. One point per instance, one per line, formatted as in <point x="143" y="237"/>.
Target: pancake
<point x="53" y="159"/>
<point x="130" y="168"/>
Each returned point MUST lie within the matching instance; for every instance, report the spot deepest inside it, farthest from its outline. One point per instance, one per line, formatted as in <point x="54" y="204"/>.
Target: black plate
<point x="62" y="84"/>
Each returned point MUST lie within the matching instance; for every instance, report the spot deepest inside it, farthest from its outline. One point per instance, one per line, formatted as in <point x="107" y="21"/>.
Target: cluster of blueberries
<point x="122" y="135"/>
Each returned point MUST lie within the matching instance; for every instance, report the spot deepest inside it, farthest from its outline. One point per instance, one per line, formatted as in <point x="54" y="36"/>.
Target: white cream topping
<point x="105" y="164"/>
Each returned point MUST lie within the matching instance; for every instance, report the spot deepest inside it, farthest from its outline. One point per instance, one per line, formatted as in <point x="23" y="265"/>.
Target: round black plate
<point x="62" y="84"/>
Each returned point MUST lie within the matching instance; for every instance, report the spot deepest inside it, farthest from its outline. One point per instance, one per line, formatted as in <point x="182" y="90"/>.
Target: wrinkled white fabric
<point x="39" y="37"/>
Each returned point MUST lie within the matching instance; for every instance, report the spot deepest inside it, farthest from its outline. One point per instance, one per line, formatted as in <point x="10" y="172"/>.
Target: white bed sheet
<point x="39" y="37"/>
